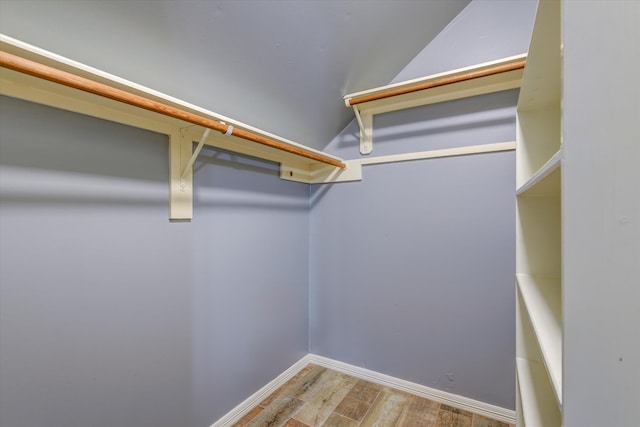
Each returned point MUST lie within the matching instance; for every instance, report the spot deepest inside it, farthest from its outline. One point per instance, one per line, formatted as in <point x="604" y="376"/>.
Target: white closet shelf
<point x="33" y="74"/>
<point x="536" y="395"/>
<point x="494" y="76"/>
<point x="545" y="181"/>
<point x="541" y="296"/>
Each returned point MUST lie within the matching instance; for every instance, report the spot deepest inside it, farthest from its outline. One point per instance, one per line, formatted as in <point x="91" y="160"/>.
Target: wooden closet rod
<point x="35" y="69"/>
<point x="443" y="81"/>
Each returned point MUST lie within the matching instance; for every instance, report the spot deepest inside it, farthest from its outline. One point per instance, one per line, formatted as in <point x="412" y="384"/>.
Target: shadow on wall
<point x="211" y="156"/>
<point x="31" y="138"/>
<point x="37" y="187"/>
<point x="57" y="157"/>
<point x="224" y="179"/>
<point x="220" y="182"/>
<point x="317" y="193"/>
<point x="104" y="164"/>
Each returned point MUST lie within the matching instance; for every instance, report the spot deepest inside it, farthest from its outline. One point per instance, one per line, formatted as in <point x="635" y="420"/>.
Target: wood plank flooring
<point x="318" y="396"/>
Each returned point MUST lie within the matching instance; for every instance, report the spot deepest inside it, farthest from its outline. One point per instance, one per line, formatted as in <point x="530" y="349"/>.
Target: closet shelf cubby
<point x="536" y="395"/>
<point x="541" y="296"/>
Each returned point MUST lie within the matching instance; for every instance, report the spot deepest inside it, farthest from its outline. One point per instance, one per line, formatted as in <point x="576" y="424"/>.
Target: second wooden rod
<point x="443" y="81"/>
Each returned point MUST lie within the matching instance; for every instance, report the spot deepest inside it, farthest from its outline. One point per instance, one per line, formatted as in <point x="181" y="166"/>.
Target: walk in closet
<point x="468" y="233"/>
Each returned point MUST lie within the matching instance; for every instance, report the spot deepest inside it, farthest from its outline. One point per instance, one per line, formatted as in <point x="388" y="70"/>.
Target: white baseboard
<point x="465" y="403"/>
<point x="242" y="409"/>
<point x="461" y="402"/>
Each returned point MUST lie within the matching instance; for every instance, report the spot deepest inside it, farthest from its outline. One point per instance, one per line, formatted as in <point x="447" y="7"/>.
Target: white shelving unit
<point x="539" y="336"/>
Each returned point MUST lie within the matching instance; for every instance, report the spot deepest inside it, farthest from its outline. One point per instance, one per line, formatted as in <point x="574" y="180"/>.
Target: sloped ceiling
<point x="280" y="65"/>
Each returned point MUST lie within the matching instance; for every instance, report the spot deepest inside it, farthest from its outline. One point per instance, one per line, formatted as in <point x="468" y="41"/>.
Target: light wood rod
<point x="443" y="81"/>
<point x="26" y="66"/>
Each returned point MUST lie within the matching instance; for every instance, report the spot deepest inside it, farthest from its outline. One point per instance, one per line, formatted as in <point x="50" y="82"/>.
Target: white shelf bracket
<point x="196" y="152"/>
<point x="181" y="161"/>
<point x="188" y="168"/>
<point x="365" y="121"/>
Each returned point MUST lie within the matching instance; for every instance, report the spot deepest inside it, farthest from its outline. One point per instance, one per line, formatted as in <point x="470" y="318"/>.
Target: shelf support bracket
<point x="180" y="185"/>
<point x="365" y="121"/>
<point x="181" y="162"/>
<point x="196" y="152"/>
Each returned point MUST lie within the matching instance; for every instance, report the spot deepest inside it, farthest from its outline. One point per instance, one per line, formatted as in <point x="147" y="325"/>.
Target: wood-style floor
<point x="318" y="396"/>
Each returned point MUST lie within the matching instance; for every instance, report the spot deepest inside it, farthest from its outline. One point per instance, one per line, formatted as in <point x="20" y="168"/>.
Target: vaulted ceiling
<point x="280" y="65"/>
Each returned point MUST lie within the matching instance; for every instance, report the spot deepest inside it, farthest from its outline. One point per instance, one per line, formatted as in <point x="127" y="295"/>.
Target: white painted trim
<point x="447" y="152"/>
<point x="465" y="403"/>
<point x="243" y="408"/>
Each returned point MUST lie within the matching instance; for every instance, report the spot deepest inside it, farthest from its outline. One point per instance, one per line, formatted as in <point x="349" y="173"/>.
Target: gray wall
<point x="412" y="270"/>
<point x="112" y="316"/>
<point x="251" y="274"/>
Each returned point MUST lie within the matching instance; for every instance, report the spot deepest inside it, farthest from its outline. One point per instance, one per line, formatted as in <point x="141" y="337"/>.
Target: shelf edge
<point x="551" y="165"/>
